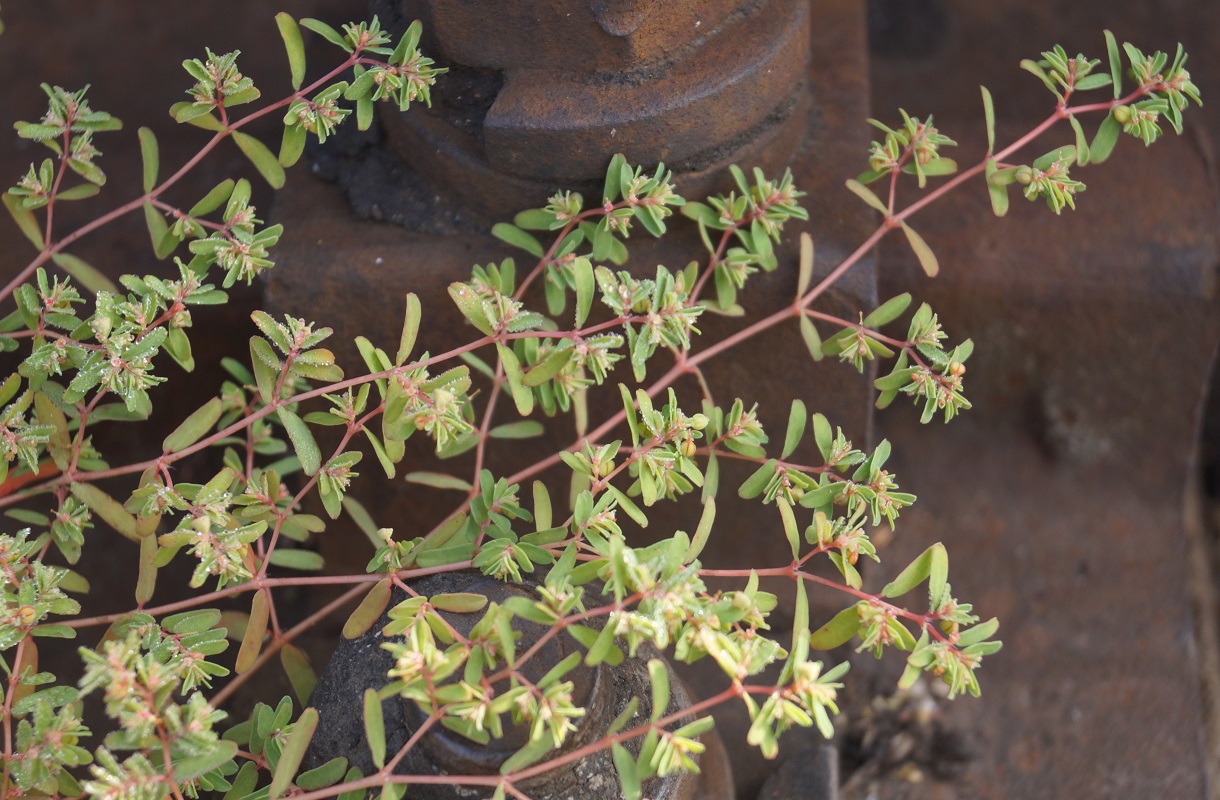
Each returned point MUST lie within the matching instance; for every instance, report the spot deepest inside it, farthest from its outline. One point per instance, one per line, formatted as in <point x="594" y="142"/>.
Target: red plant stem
<point x="59" y="176"/>
<point x="8" y="716"/>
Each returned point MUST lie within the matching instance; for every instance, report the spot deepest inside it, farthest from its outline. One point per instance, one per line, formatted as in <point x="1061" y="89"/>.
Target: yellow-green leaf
<point x="369" y="610"/>
<point x="110" y="510"/>
<point x="837" y="631"/>
<point x="262" y="158"/>
<point x="194" y="427"/>
<point x="146" y="580"/>
<point x="291" y="35"/>
<point x="24" y="218"/>
<point x="84" y="273"/>
<point x="374" y="727"/>
<point x="256" y="629"/>
<point x="459" y="602"/>
<point x="293" y="752"/>
<point x="299" y="671"/>
<point x="302" y="440"/>
<point x="410" y="329"/>
<point x="866" y="194"/>
<point x="927" y="259"/>
<point x="150" y="156"/>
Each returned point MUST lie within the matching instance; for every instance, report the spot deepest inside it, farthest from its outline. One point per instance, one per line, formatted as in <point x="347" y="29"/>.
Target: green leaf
<point x="753" y="486"/>
<point x="582" y="271"/>
<point x="838" y="631"/>
<point x="24" y="218"/>
<point x="262" y="159"/>
<point x="291" y="35"/>
<point x="459" y="602"/>
<point x="1116" y="64"/>
<point x="266" y="367"/>
<point x="374" y="726"/>
<point x="149" y="156"/>
<point x="302" y="440"/>
<point x="824" y="435"/>
<point x="85" y="274"/>
<point x="997" y="193"/>
<point x="54" y="632"/>
<point x="256" y="631"/>
<point x="110" y="510"/>
<point x="521" y="429"/>
<point x="805" y="275"/>
<point x="214" y="199"/>
<point x="470" y="305"/>
<point x="326" y="32"/>
<point x="813" y="342"/>
<point x="516" y="237"/>
<point x="194" y="427"/>
<point x="790" y="529"/>
<point x="796" y="427"/>
<point x="1090" y="82"/>
<point x="387" y="463"/>
<point x="628" y="506"/>
<point x="978" y="633"/>
<point x="207" y="759"/>
<point x="438" y="480"/>
<point x="81" y="191"/>
<point x="369" y="610"/>
<point x="628" y="772"/>
<point x="1082" y="144"/>
<point x="244" y="783"/>
<point x="927" y="259"/>
<point x="702" y="532"/>
<point x="1032" y="68"/>
<point x="305" y="560"/>
<point x="299" y="671"/>
<point x="156" y="229"/>
<point x="410" y="329"/>
<point x="988" y="118"/>
<point x="658" y="676"/>
<point x="328" y="774"/>
<point x="888" y="311"/>
<point x="364" y="521"/>
<point x="408" y="43"/>
<point x="550" y="366"/>
<point x="1064" y="153"/>
<point x="529" y="754"/>
<point x="614" y="174"/>
<point x="292" y="145"/>
<point x="934" y="559"/>
<point x="1104" y="141"/>
<point x="739" y="178"/>
<point x="293" y="752"/>
<point x="523" y="396"/>
<point x="866" y="194"/>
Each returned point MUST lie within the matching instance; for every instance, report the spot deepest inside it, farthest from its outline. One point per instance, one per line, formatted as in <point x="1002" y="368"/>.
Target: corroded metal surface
<point x="697" y="86"/>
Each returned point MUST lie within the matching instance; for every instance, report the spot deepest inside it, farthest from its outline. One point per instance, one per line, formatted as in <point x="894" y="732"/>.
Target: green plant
<point x="83" y="364"/>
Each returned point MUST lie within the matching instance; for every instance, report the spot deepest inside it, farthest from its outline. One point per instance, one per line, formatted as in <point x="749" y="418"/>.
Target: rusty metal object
<point x="697" y="88"/>
<point x="811" y="776"/>
<point x="603" y="691"/>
